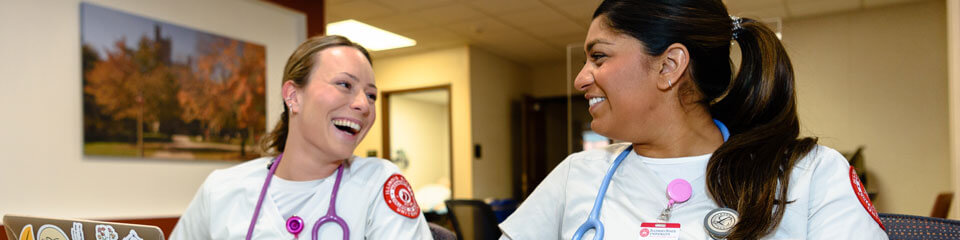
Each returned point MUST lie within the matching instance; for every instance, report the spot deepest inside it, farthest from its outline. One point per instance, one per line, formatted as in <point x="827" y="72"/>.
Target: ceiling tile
<point x="357" y="9"/>
<point x="397" y="22"/>
<point x="448" y="14"/>
<point x="434" y="36"/>
<point x="581" y="11"/>
<point x="473" y="28"/>
<point x="497" y="7"/>
<point x="533" y="17"/>
<point x="410" y="5"/>
<point x="509" y="36"/>
<point x="801" y="8"/>
<point x="558" y="28"/>
<point x="529" y="31"/>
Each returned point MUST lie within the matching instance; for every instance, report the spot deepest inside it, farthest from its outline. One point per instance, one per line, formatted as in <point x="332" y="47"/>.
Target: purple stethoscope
<point x="678" y="191"/>
<point x="295" y="223"/>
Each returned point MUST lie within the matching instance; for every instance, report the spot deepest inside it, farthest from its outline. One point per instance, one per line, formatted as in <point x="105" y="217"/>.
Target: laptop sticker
<point x="52" y="232"/>
<point x="132" y="236"/>
<point x="106" y="232"/>
<point x="76" y="233"/>
<point x="27" y="232"/>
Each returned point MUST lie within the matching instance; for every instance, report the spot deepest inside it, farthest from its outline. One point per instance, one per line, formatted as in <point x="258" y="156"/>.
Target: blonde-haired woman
<point x="314" y="187"/>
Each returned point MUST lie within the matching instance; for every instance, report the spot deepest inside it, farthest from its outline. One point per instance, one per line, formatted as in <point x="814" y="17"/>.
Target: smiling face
<point x="620" y="82"/>
<point x="335" y="110"/>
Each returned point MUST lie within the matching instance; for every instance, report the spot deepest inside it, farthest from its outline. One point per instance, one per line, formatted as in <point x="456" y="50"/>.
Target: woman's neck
<point x="683" y="135"/>
<point x="301" y="164"/>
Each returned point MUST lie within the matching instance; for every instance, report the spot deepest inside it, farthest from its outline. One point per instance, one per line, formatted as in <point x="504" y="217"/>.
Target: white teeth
<point x="597" y="100"/>
<point x="349" y="124"/>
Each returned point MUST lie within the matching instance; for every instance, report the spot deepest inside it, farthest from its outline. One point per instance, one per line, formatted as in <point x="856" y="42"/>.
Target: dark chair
<point x="441" y="233"/>
<point x="473" y="220"/>
<point x="907" y="227"/>
<point x="942" y="205"/>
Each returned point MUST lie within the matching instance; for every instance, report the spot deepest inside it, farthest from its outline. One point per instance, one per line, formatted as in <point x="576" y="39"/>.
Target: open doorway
<point x="417" y="138"/>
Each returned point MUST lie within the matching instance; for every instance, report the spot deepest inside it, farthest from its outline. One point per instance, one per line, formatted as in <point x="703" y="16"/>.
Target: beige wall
<point x="953" y="46"/>
<point x="44" y="172"/>
<point x="427" y="69"/>
<point x="550" y="80"/>
<point x="495" y="83"/>
<point x="482" y="87"/>
<point x="878" y="78"/>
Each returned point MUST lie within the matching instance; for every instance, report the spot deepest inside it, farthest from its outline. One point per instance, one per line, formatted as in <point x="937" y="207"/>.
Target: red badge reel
<point x="399" y="196"/>
<point x="861" y="193"/>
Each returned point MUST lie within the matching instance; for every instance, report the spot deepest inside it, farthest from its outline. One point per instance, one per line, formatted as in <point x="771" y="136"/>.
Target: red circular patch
<point x="399" y="196"/>
<point x="861" y="193"/>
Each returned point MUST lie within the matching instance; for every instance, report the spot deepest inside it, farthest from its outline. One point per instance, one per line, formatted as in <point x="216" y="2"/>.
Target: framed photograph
<point x="152" y="89"/>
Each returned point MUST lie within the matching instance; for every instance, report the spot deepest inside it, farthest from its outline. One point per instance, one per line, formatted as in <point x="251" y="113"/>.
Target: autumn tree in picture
<point x="157" y="90"/>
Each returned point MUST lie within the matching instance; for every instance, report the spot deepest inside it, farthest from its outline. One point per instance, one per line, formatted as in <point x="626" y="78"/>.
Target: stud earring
<point x="670" y="83"/>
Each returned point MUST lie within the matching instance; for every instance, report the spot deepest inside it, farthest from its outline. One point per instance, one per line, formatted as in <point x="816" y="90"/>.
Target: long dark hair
<point x="751" y="171"/>
<point x="298" y="69"/>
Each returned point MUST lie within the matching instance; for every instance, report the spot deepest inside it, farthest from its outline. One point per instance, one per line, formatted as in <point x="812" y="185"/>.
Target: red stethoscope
<point x="295" y="223"/>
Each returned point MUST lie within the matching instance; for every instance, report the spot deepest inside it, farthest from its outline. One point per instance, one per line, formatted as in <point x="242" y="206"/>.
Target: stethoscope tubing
<point x="593" y="220"/>
<point x="263" y="193"/>
<point x="331" y="215"/>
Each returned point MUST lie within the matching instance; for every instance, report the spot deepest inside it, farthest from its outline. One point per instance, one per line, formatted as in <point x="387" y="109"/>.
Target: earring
<point x="670" y="83"/>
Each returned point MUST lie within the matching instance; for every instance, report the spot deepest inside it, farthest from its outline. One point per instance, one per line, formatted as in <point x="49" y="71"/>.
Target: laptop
<point x="37" y="228"/>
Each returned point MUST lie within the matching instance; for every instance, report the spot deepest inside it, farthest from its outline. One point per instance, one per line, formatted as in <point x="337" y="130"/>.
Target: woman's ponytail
<point x="751" y="171"/>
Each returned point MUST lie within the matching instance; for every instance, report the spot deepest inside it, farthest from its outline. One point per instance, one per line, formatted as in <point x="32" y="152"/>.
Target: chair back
<point x="907" y="227"/>
<point x="473" y="220"/>
<point x="441" y="233"/>
<point x="941" y="207"/>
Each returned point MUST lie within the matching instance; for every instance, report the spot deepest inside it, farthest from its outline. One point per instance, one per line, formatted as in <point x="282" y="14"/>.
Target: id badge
<point x="659" y="231"/>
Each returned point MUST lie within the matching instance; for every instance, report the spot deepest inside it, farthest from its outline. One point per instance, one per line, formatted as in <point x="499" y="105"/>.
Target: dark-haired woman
<point x="709" y="153"/>
<point x="314" y="187"/>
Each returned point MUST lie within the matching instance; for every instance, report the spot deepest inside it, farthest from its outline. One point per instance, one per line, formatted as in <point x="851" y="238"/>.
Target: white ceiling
<point x="530" y="32"/>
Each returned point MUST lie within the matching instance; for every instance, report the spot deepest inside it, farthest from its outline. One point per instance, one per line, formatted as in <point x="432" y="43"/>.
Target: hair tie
<point x="736" y="25"/>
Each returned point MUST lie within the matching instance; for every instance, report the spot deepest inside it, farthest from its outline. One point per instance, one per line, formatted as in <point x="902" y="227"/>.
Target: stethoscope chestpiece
<point x="295" y="225"/>
<point x="720" y="222"/>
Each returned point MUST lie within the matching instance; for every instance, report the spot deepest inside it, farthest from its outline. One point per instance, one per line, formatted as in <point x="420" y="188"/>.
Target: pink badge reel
<point x="679" y="191"/>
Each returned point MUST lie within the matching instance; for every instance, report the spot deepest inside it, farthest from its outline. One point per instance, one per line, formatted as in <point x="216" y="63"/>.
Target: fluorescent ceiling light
<point x="369" y="37"/>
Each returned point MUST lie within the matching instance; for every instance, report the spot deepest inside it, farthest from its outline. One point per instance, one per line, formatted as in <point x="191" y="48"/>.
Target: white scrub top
<point x="224" y="205"/>
<point x="824" y="202"/>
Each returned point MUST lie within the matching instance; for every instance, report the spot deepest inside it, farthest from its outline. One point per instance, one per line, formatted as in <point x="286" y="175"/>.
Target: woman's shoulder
<point x="822" y="156"/>
<point x="371" y="170"/>
<point x="243" y="170"/>
<point x="597" y="154"/>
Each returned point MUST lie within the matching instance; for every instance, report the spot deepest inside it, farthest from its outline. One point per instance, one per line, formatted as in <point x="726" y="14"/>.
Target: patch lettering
<point x="76" y="233"/>
<point x="861" y="193"/>
<point x="399" y="196"/>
